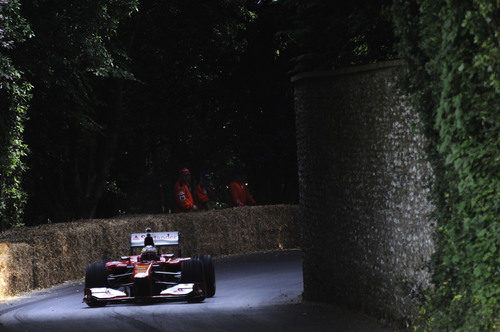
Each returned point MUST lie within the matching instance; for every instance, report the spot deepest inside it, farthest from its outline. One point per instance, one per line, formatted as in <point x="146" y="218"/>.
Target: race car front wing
<point x="177" y="292"/>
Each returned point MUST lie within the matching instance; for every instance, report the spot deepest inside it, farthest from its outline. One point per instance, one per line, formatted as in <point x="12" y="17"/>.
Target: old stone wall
<point x="364" y="210"/>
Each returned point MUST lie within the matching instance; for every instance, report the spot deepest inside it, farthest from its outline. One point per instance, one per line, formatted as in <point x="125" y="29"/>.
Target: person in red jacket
<point x="183" y="197"/>
<point x="203" y="191"/>
<point x="240" y="196"/>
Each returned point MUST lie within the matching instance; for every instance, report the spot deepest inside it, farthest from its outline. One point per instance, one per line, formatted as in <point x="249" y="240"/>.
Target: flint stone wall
<point x="364" y="209"/>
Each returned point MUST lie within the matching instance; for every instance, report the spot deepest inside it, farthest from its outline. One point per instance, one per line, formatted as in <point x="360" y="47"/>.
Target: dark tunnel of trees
<point x="125" y="93"/>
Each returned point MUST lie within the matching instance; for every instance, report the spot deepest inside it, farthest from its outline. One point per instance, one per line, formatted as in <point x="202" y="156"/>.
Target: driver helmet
<point x="149" y="253"/>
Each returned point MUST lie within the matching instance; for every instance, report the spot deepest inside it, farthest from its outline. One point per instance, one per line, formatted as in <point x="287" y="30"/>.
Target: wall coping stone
<point x="347" y="70"/>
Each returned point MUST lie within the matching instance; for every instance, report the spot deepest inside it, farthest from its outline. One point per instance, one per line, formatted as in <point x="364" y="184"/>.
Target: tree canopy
<point x="128" y="92"/>
<point x="14" y="98"/>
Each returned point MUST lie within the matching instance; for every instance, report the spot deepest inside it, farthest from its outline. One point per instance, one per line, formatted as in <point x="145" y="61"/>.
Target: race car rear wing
<point x="159" y="239"/>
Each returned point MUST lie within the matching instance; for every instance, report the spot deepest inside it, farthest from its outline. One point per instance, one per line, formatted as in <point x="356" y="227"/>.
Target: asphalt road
<point x="258" y="292"/>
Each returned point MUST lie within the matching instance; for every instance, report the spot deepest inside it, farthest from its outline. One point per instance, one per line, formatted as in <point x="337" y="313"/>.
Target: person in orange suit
<point x="203" y="191"/>
<point x="183" y="197"/>
<point x="240" y="196"/>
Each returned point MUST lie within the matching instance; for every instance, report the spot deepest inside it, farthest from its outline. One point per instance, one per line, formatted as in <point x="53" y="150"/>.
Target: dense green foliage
<point x="213" y="95"/>
<point x="78" y="69"/>
<point x="453" y="51"/>
<point x="332" y="34"/>
<point x="14" y="97"/>
<point x="127" y="92"/>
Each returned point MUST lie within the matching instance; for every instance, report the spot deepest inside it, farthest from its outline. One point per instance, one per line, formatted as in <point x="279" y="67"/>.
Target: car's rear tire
<point x="96" y="276"/>
<point x="209" y="273"/>
<point x="192" y="272"/>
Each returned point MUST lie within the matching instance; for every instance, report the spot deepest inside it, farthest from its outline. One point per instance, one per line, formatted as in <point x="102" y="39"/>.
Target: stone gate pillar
<point x="363" y="174"/>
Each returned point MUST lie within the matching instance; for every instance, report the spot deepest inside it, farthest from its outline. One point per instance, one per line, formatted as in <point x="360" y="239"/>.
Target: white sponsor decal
<point x="180" y="289"/>
<point x="160" y="239"/>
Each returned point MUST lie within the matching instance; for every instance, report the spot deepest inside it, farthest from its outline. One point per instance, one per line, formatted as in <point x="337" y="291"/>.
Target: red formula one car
<point x="150" y="275"/>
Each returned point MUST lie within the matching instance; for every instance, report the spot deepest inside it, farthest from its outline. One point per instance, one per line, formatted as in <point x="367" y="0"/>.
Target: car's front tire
<point x="209" y="273"/>
<point x="192" y="272"/>
<point x="96" y="276"/>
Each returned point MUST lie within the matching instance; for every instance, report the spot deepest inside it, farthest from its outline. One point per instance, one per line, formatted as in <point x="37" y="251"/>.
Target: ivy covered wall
<point x="452" y="49"/>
